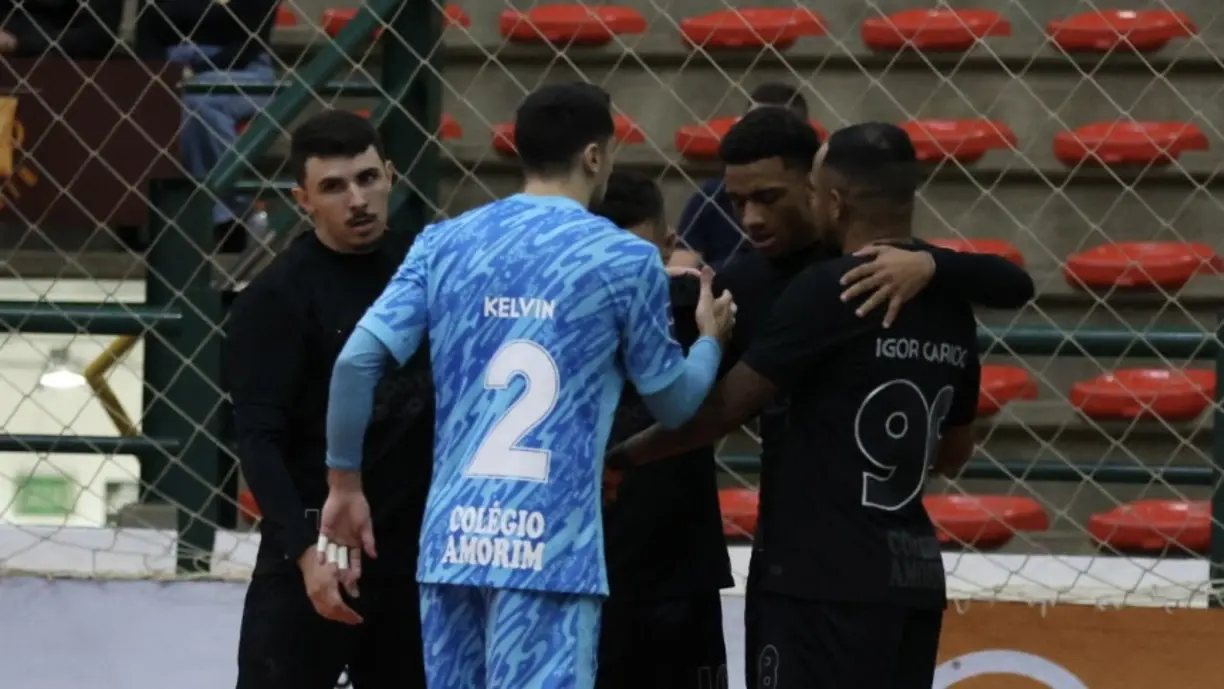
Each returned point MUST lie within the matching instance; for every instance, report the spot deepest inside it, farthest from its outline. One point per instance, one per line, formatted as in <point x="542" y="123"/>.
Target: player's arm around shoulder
<point x="984" y="279"/>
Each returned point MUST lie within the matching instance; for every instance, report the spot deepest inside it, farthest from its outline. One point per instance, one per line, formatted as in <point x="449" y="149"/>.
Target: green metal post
<point x="1216" y="549"/>
<point x="410" y="68"/>
<point x="182" y="371"/>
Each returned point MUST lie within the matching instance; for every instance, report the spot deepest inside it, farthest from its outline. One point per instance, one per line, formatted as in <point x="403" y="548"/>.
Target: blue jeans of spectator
<point x="210" y="121"/>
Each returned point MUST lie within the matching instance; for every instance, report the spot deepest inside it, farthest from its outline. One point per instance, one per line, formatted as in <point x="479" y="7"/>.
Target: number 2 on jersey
<point x="499" y="454"/>
<point x="894" y="425"/>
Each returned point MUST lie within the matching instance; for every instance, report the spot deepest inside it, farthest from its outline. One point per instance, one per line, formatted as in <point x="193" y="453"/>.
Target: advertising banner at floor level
<point x="1020" y="646"/>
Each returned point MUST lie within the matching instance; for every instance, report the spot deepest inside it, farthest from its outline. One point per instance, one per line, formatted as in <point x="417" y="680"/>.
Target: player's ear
<point x="389" y="169"/>
<point x="595" y="156"/>
<point x="302" y="198"/>
<point x="836" y="205"/>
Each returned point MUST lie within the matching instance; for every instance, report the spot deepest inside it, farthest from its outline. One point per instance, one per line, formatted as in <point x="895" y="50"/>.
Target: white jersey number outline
<point x="499" y="454"/>
<point x="894" y="423"/>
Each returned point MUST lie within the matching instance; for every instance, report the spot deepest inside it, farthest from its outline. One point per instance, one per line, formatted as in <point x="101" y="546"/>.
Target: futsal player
<point x="768" y="156"/>
<point x="663" y="533"/>
<point x="283" y="337"/>
<point x="852" y="588"/>
<point x="537" y="312"/>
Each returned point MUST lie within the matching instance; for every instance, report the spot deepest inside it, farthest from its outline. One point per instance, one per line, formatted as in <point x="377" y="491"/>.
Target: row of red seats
<point x="1106" y="143"/>
<point x="1144" y="265"/>
<point x="1123" y="395"/>
<point x="929" y="30"/>
<point x="990" y="521"/>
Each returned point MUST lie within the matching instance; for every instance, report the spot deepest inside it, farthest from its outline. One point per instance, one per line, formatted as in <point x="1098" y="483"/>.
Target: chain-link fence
<point x="1072" y="142"/>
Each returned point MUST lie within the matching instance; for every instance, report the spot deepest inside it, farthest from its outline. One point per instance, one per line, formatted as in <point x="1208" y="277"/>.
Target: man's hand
<point x="323" y="586"/>
<point x="8" y="43"/>
<point x="894" y="276"/>
<point x="715" y="317"/>
<point x="682" y="271"/>
<point x="345" y="530"/>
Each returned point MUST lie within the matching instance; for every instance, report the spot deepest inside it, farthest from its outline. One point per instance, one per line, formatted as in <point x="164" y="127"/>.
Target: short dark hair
<point x="630" y="200"/>
<point x="770" y="133"/>
<point x="330" y="134"/>
<point x="554" y="123"/>
<point x="875" y="158"/>
<point x="782" y="95"/>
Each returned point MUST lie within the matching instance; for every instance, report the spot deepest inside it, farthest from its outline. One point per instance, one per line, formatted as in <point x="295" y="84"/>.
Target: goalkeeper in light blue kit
<point x="536" y="313"/>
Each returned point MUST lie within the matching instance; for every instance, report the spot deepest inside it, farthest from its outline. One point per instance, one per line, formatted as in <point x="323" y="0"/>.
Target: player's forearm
<point x="985" y="280"/>
<point x="712" y="421"/>
<point x="676" y="403"/>
<point x="261" y="431"/>
<point x="350" y="403"/>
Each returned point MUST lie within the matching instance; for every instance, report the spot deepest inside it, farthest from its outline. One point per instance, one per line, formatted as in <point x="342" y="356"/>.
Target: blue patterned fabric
<point x="497" y="639"/>
<point x="537" y="311"/>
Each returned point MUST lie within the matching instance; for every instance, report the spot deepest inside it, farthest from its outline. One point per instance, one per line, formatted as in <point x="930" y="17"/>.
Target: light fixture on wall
<point x="61" y="373"/>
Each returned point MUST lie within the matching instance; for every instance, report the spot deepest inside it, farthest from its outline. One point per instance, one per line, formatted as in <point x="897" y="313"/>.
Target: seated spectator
<point x="75" y="29"/>
<point x="709" y="231"/>
<point x="218" y="43"/>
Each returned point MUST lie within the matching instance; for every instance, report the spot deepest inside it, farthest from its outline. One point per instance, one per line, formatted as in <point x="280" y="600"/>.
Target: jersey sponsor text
<point x="495" y="537"/>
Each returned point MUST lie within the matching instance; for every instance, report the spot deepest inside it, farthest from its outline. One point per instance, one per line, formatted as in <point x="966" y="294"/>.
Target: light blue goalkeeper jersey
<point x="537" y="311"/>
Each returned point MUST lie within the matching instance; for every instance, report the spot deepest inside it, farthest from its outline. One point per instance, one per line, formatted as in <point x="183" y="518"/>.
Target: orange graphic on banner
<point x="12" y="138"/>
<point x="1019" y="646"/>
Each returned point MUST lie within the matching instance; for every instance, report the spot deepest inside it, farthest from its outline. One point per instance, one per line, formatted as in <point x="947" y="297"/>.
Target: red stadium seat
<point x="455" y="16"/>
<point x="941" y="30"/>
<point x="963" y="140"/>
<point x="1003" y="384"/>
<point x="570" y="24"/>
<point x="983" y="521"/>
<point x="1128" y="143"/>
<point x="751" y="28"/>
<point x="285" y="16"/>
<point x="739" y="511"/>
<point x="335" y="19"/>
<point x="1154" y="525"/>
<point x="1168" y="265"/>
<point x="700" y="141"/>
<point x="449" y="129"/>
<point x="627" y="132"/>
<point x="1104" y="31"/>
<point x="247" y="508"/>
<point x="1145" y="393"/>
<point x="998" y="247"/>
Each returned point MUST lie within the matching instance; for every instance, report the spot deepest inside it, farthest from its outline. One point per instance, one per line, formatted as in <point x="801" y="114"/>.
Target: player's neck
<point x="330" y="242"/>
<point x="540" y="187"/>
<point x="858" y="237"/>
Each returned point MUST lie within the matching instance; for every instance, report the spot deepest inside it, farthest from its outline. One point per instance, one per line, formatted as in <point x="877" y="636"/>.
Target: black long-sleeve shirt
<point x="77" y="29"/>
<point x="284" y="334"/>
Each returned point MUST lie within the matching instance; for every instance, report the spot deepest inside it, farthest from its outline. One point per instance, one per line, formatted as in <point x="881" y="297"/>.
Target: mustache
<point x="361" y="219"/>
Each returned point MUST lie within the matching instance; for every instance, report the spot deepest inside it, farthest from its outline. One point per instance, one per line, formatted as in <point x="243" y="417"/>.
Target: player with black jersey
<point x="283" y="337"/>
<point x="768" y="156"/>
<point x="851" y="590"/>
<point x="667" y="558"/>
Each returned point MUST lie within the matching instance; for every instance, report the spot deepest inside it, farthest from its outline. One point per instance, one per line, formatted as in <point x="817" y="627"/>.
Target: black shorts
<point x="804" y="644"/>
<point x="673" y="644"/>
<point x="285" y="644"/>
